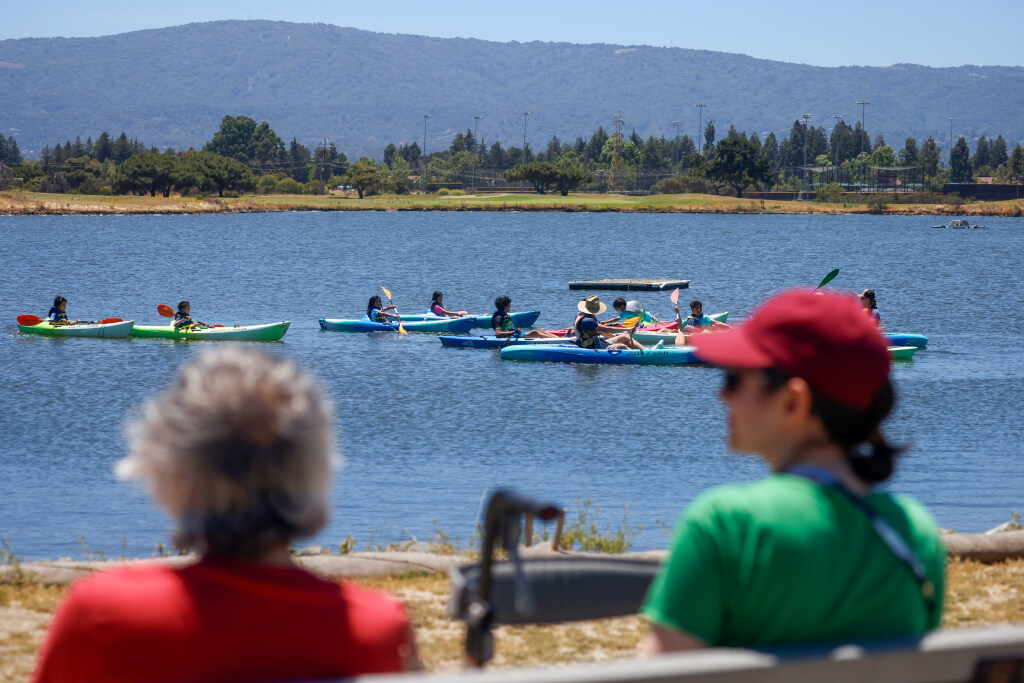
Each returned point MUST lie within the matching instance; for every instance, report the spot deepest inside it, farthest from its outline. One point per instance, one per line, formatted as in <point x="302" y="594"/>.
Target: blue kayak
<point x="898" y="339"/>
<point x="492" y="342"/>
<point x="553" y="353"/>
<point x="483" y="321"/>
<point x="364" y="324"/>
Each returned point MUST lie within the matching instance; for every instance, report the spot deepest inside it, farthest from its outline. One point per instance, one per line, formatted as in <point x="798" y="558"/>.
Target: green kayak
<point x="267" y="332"/>
<point x="902" y="352"/>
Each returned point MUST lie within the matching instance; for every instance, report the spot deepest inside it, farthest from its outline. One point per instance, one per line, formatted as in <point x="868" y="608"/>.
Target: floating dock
<point x="630" y="285"/>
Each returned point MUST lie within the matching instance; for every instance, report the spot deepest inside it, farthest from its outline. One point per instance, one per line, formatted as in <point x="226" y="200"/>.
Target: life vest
<point x="376" y="315"/>
<point x="56" y="315"/>
<point x="183" y="320"/>
<point x="501" y="321"/>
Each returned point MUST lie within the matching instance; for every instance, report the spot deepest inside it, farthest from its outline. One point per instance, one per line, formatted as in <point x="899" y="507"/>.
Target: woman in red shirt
<point x="239" y="452"/>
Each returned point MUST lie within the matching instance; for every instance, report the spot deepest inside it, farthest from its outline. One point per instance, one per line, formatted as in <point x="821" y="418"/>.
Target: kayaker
<point x="239" y="451"/>
<point x="811" y="553"/>
<point x="437" y="308"/>
<point x="58" y="313"/>
<point x="375" y="310"/>
<point x="626" y="311"/>
<point x="501" y="322"/>
<point x="870" y="306"/>
<point x="589" y="329"/>
<point x="697" y="321"/>
<point x="183" y="319"/>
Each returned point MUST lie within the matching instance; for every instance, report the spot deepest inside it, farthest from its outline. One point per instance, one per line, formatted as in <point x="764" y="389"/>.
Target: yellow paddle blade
<point x="401" y="330"/>
<point x="386" y="292"/>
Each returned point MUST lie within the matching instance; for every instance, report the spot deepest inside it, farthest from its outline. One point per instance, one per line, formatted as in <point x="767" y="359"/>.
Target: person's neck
<point x="279" y="556"/>
<point x="822" y="455"/>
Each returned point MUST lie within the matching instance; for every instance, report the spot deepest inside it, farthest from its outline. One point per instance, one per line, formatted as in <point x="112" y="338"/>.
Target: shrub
<point x="55" y="183"/>
<point x="288" y="186"/>
<point x="831" y="193"/>
<point x="684" y="185"/>
<point x="955" y="200"/>
<point x="456" y="193"/>
<point x="877" y="203"/>
<point x="443" y="192"/>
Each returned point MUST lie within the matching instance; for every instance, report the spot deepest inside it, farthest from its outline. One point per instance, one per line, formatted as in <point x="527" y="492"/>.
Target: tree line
<point x="245" y="156"/>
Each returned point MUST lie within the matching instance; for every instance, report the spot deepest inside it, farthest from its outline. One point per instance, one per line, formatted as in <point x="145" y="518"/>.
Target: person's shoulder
<point x="748" y="496"/>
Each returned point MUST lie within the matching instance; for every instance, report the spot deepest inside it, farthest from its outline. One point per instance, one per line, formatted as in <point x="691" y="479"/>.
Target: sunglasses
<point x="774" y="379"/>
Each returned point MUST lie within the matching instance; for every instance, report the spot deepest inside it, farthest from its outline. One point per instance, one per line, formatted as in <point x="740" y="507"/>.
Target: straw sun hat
<point x="592" y="305"/>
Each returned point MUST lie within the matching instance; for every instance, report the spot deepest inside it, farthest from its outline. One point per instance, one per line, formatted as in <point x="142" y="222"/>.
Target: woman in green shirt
<point x="809" y="554"/>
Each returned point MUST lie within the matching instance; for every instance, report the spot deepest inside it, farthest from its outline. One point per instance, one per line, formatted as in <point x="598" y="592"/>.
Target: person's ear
<point x="796" y="401"/>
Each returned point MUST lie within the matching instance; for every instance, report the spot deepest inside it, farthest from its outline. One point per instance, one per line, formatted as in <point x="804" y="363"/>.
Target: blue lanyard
<point x="889" y="536"/>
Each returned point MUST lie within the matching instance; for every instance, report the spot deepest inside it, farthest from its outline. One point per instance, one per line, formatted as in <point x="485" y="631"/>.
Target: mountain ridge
<point x="363" y="89"/>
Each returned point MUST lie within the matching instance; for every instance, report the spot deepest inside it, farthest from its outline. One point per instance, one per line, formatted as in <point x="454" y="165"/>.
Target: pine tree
<point x="997" y="152"/>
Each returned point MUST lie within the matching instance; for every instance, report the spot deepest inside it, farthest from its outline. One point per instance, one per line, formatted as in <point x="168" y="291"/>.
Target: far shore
<point x="16" y="203"/>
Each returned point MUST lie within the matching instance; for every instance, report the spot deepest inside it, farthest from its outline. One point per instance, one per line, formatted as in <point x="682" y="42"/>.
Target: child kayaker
<point x="870" y="306"/>
<point x="183" y="319"/>
<point x="58" y="314"/>
<point x="501" y="322"/>
<point x="375" y="310"/>
<point x="697" y="321"/>
<point x="437" y="308"/>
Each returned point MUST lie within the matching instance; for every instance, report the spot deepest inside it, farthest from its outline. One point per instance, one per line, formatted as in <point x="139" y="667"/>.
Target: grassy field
<point x="33" y="203"/>
<point x="976" y="595"/>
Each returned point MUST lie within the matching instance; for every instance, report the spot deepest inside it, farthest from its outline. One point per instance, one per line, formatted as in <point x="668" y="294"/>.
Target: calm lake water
<point x="426" y="430"/>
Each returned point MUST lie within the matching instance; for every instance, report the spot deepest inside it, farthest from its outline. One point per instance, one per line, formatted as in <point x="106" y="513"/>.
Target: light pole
<point x="835" y="135"/>
<point x="863" y="110"/>
<point x="476" y="146"/>
<point x="677" y="124"/>
<point x="951" y="120"/>
<point x="425" y="117"/>
<point x="700" y="122"/>
<point x="526" y="116"/>
<point x="806" y="118"/>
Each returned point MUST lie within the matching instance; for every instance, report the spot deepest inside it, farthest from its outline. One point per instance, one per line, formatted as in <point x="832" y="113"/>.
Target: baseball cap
<point x="821" y="337"/>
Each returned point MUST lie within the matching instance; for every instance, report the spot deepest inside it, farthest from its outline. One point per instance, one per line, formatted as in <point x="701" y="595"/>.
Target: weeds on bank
<point x="585" y="534"/>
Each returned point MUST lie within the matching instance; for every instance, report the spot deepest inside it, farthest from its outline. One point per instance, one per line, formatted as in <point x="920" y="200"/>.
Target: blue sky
<point x="869" y="32"/>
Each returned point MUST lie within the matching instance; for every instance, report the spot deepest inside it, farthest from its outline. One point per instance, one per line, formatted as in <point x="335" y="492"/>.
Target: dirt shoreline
<point x="37" y="204"/>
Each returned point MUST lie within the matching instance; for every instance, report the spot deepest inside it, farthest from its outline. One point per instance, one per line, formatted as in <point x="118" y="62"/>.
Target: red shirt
<point x="220" y="620"/>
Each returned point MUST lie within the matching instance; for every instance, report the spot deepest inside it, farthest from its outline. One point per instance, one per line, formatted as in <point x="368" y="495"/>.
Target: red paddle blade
<point x="216" y="326"/>
<point x="674" y="297"/>
<point x="165" y="310"/>
<point x="29" y="320"/>
<point x="107" y="321"/>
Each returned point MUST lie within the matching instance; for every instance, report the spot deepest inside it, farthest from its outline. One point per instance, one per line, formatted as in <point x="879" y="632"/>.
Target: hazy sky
<point x="869" y="32"/>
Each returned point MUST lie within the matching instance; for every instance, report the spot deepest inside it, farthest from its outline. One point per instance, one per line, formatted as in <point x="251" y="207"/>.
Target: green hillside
<point x="171" y="87"/>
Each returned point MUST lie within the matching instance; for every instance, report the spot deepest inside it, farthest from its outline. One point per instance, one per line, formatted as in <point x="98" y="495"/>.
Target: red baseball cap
<point x="821" y="337"/>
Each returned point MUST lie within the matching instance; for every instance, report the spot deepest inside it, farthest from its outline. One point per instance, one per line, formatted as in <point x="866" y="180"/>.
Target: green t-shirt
<point x="786" y="561"/>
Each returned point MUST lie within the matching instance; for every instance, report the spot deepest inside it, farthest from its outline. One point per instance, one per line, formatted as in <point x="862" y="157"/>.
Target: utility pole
<point x="951" y="120"/>
<point x="677" y="124"/>
<point x="863" y="132"/>
<point x="835" y="136"/>
<point x="526" y="116"/>
<point x="424" y="154"/>
<point x="806" y="118"/>
<point x="476" y="147"/>
<point x="700" y="130"/>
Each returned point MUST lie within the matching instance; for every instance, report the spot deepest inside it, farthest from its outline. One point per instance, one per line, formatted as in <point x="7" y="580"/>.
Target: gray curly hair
<point x="239" y="450"/>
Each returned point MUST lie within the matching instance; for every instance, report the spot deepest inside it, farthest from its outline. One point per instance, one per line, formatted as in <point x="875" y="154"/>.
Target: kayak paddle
<point x="680" y="337"/>
<point x="401" y="330"/>
<point x="168" y="312"/>
<point x="828" y="278"/>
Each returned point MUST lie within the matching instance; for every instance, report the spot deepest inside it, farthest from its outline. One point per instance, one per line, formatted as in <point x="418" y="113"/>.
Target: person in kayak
<point x="589" y="329"/>
<point x="437" y="308"/>
<point x="697" y="321"/>
<point x="501" y="322"/>
<point x="58" y="312"/>
<point x="183" y="319"/>
<point x="870" y="305"/>
<point x="810" y="554"/>
<point x="375" y="310"/>
<point x="240" y="452"/>
<point x="626" y="311"/>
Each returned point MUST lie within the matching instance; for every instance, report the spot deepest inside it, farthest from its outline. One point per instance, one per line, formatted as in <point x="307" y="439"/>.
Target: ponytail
<point x="870" y="456"/>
